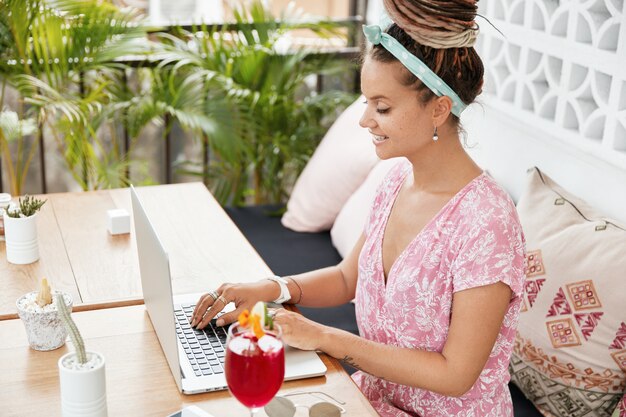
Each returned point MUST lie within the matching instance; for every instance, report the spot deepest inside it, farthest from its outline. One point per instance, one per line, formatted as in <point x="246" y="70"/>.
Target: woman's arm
<point x="477" y="316"/>
<point x="320" y="288"/>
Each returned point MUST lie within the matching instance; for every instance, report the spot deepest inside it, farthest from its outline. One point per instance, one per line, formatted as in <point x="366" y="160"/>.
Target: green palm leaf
<point x="278" y="121"/>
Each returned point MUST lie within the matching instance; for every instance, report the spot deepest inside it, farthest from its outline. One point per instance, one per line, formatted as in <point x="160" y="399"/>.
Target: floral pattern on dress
<point x="475" y="240"/>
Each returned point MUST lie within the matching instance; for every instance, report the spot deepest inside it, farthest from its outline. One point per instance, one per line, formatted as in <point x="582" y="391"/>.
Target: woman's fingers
<point x="211" y="303"/>
<point x="297" y="330"/>
<point x="201" y="307"/>
<point x="281" y="317"/>
<point x="217" y="306"/>
<point x="231" y="317"/>
<point x="206" y="301"/>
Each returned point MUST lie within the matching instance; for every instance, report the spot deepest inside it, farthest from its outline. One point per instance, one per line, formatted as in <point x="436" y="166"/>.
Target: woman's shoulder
<point x="488" y="232"/>
<point x="486" y="204"/>
<point x="487" y="193"/>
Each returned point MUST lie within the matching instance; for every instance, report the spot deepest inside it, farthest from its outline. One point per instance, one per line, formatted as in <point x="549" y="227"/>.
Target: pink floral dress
<point x="475" y="240"/>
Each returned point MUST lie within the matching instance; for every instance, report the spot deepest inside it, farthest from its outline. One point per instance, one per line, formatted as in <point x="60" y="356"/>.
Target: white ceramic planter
<point x="21" y="239"/>
<point x="83" y="391"/>
<point x="44" y="327"/>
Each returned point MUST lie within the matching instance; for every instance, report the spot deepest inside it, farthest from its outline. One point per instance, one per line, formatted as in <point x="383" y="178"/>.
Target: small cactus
<point x="77" y="339"/>
<point x="44" y="297"/>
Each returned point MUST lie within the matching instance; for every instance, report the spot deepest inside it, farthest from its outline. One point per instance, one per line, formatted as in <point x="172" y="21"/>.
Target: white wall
<point x="508" y="146"/>
<point x="555" y="96"/>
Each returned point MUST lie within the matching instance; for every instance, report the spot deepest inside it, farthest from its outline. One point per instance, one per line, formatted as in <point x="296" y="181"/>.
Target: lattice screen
<point x="560" y="66"/>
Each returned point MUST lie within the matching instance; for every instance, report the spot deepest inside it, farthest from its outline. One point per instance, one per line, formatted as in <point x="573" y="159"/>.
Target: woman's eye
<point x="382" y="111"/>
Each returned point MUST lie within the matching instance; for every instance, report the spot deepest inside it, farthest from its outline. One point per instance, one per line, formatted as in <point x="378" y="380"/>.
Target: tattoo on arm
<point x="350" y="361"/>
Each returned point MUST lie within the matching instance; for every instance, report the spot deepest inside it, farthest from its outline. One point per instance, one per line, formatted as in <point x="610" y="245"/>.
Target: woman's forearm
<point x="321" y="288"/>
<point x="417" y="368"/>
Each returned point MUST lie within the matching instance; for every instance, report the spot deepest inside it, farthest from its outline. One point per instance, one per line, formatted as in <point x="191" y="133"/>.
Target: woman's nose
<point x="366" y="121"/>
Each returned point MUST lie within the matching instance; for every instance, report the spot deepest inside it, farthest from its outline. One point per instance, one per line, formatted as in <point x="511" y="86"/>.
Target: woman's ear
<point x="441" y="110"/>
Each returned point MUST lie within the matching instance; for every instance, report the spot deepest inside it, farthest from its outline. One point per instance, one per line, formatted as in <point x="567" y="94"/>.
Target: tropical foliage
<point x="14" y="131"/>
<point x="236" y="88"/>
<point x="278" y="120"/>
<point x="62" y="58"/>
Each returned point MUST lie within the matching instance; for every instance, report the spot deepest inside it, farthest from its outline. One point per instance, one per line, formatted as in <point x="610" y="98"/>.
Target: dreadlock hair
<point x="458" y="66"/>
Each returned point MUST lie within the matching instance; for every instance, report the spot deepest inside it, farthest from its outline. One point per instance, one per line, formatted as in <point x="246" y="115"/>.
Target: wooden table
<point x="139" y="382"/>
<point x="101" y="271"/>
<point x="79" y="256"/>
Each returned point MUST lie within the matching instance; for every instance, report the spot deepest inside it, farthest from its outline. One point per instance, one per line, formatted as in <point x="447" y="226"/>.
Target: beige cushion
<point x="337" y="168"/>
<point x="570" y="354"/>
<point x="351" y="219"/>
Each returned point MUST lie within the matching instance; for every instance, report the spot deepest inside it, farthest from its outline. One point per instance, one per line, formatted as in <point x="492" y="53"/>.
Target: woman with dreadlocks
<point x="437" y="274"/>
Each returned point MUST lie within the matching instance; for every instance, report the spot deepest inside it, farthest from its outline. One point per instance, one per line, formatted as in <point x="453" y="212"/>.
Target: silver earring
<point x="435" y="135"/>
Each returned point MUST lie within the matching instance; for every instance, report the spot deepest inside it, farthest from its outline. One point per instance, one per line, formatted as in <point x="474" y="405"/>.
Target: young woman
<point x="438" y="271"/>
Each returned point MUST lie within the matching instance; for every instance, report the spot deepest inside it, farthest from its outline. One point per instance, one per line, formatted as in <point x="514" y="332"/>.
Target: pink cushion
<point x="339" y="165"/>
<point x="351" y="219"/>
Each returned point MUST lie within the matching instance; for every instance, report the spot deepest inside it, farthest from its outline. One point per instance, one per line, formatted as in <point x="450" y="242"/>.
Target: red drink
<point x="255" y="368"/>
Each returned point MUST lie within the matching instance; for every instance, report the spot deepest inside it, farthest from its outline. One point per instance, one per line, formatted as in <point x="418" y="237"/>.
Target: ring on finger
<point x="214" y="295"/>
<point x="222" y="299"/>
<point x="271" y="313"/>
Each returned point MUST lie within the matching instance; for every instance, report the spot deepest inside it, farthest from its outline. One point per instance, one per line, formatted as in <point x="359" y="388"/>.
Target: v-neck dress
<point x="475" y="240"/>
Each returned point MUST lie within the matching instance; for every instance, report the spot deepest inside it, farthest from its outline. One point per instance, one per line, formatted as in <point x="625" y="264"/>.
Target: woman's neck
<point x="443" y="167"/>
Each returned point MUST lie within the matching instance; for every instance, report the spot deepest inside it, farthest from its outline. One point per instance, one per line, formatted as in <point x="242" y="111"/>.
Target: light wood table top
<point x="101" y="272"/>
<point x="138" y="379"/>
<point x="79" y="256"/>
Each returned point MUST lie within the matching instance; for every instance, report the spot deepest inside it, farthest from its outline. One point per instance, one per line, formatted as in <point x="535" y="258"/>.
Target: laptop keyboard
<point x="205" y="348"/>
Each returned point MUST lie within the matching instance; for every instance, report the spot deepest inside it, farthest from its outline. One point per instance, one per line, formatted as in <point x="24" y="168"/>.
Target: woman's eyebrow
<point x="377" y="97"/>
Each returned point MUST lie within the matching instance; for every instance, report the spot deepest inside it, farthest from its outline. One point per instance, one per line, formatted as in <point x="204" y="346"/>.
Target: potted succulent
<point x="81" y="374"/>
<point x="20" y="229"/>
<point x="44" y="329"/>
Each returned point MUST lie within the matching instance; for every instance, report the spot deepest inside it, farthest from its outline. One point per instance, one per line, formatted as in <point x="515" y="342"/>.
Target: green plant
<point x="278" y="120"/>
<point x="72" y="329"/>
<point x="27" y="207"/>
<point x="62" y="58"/>
<point x="14" y="131"/>
<point x="236" y="90"/>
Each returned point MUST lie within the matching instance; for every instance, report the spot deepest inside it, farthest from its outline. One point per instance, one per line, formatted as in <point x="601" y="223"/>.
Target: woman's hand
<point x="298" y="331"/>
<point x="243" y="295"/>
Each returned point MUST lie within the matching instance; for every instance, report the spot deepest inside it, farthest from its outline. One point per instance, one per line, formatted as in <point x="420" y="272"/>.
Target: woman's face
<point x="399" y="124"/>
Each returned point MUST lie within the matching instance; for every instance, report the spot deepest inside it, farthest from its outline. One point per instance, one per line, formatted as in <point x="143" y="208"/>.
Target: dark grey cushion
<point x="287" y="252"/>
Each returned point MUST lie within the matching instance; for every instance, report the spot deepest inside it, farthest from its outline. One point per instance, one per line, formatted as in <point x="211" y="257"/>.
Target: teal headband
<point x="375" y="35"/>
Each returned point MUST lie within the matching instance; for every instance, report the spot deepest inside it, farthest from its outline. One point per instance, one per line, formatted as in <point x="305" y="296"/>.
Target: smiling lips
<point x="379" y="138"/>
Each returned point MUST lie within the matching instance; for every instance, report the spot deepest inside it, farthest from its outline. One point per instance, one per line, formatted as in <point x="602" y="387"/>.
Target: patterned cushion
<point x="570" y="353"/>
<point x="620" y="410"/>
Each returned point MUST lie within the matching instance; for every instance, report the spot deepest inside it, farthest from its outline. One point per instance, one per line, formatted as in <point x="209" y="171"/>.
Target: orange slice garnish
<point x="247" y="319"/>
<point x="244" y="318"/>
<point x="256" y="326"/>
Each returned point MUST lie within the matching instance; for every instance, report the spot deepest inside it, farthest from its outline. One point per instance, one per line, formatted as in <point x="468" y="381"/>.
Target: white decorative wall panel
<point x="560" y="66"/>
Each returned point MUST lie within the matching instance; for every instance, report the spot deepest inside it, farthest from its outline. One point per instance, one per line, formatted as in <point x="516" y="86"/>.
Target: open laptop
<point x="195" y="357"/>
